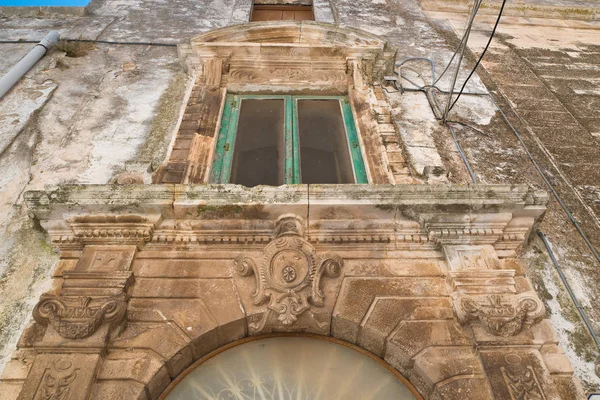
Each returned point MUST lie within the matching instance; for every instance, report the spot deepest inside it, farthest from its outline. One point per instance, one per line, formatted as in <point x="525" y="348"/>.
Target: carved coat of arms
<point x="288" y="275"/>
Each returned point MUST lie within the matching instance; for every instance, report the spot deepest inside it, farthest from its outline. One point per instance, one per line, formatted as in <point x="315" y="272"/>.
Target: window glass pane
<point x="258" y="153"/>
<point x="324" y="152"/>
<point x="290" y="368"/>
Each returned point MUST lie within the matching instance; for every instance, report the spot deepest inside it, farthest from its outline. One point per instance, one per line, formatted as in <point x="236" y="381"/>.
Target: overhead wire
<point x="563" y="278"/>
<point x="480" y="56"/>
<point x="461" y="54"/>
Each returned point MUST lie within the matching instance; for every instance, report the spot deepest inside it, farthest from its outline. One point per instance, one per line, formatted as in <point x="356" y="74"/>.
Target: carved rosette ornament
<point x="289" y="274"/>
<point x="79" y="317"/>
<point x="503" y="315"/>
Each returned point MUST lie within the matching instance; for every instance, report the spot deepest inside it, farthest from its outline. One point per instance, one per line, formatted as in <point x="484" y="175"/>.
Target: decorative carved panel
<point x="288" y="275"/>
<point x="79" y="317"/>
<point x="57" y="381"/>
<point x="521" y="379"/>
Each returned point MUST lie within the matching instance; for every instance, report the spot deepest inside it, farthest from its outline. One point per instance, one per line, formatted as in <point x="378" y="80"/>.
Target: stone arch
<point x="211" y="344"/>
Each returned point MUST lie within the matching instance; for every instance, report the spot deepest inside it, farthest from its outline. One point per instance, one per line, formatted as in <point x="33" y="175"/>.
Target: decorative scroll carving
<point x="56" y="383"/>
<point x="288" y="276"/>
<point x="79" y="317"/>
<point x="503" y="315"/>
<point x="521" y="380"/>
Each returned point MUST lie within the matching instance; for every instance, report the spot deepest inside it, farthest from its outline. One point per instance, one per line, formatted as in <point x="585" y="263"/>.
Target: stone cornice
<point x="171" y="199"/>
<point x="405" y="215"/>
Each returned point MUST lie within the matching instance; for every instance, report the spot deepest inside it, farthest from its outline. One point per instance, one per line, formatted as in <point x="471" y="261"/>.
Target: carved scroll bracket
<point x="486" y="294"/>
<point x="501" y="314"/>
<point x="288" y="277"/>
<point x="79" y="317"/>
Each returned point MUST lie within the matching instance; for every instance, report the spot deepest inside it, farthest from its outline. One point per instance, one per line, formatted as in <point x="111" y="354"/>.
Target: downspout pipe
<point x="16" y="73"/>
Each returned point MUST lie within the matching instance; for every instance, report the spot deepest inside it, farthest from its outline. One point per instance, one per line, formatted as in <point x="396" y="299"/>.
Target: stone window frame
<point x="243" y="11"/>
<point x="305" y="9"/>
<point x="291" y="58"/>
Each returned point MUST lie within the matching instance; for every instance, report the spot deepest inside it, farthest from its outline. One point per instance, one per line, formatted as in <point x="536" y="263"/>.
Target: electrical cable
<point x="481" y="56"/>
<point x="563" y="278"/>
<point x="465" y="41"/>
<point x="477" y="130"/>
<point x="455" y="51"/>
<point x="530" y="156"/>
<point x="462" y="154"/>
<point x="399" y="65"/>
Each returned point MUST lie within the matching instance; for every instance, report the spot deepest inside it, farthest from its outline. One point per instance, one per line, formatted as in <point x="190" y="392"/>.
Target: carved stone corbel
<point x="501" y="314"/>
<point x="289" y="274"/>
<point x="79" y="317"/>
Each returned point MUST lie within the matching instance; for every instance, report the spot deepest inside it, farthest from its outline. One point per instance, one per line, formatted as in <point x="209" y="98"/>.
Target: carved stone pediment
<point x="288" y="275"/>
<point x="289" y="52"/>
<point x="79" y="317"/>
<point x="501" y="314"/>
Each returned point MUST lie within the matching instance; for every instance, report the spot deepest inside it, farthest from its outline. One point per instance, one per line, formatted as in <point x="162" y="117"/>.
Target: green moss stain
<point x="27" y="267"/>
<point x="220" y="211"/>
<point x="167" y="113"/>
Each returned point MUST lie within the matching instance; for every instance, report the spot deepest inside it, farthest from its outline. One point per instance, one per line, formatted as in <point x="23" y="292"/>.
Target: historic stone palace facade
<point x="389" y="257"/>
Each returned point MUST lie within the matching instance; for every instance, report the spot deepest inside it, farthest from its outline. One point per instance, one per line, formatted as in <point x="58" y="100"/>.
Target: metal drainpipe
<point x="12" y="77"/>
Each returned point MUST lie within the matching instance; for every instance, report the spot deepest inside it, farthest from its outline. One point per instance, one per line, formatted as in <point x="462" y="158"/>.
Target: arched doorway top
<point x="282" y="366"/>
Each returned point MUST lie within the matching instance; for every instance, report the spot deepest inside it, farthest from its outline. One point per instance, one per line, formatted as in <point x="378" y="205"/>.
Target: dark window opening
<point x="258" y="156"/>
<point x="282" y="13"/>
<point x="324" y="154"/>
<point x="283" y="139"/>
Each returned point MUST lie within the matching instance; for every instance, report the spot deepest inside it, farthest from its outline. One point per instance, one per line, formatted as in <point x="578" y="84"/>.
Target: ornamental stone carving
<point x="501" y="314"/>
<point x="79" y="317"/>
<point x="521" y="380"/>
<point x="57" y="381"/>
<point x="289" y="274"/>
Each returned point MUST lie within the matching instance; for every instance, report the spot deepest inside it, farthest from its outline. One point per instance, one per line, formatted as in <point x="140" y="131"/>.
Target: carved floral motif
<point x="289" y="274"/>
<point x="78" y="317"/>
<point x="502" y="315"/>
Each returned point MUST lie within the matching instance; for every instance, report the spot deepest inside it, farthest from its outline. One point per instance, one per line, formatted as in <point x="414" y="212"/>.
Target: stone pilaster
<point x="76" y="322"/>
<point x="517" y="347"/>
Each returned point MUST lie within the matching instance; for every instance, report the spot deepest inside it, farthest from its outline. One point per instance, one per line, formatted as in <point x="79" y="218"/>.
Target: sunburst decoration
<point x="290" y="368"/>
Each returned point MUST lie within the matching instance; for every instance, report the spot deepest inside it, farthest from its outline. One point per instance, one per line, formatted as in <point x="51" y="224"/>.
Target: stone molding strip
<point x="404" y="215"/>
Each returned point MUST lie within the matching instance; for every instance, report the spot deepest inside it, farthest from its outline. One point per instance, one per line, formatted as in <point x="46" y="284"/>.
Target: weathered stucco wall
<point x="114" y="108"/>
